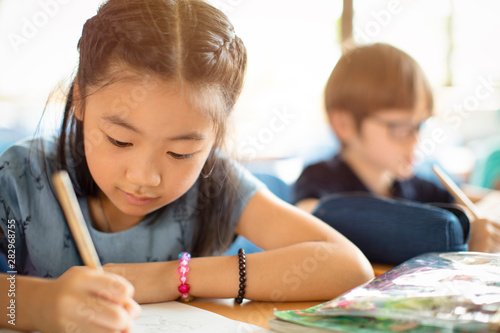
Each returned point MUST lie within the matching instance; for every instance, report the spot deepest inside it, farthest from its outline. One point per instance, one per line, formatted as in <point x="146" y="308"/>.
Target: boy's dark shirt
<point x="335" y="176"/>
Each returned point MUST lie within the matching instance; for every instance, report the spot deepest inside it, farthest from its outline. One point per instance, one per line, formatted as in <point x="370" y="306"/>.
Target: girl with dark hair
<point x="141" y="138"/>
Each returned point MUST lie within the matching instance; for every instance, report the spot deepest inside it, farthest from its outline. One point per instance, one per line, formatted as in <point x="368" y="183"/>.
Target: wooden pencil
<point x="455" y="191"/>
<point x="69" y="203"/>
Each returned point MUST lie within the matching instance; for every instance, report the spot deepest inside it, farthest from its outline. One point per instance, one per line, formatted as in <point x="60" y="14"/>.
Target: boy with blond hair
<point x="376" y="98"/>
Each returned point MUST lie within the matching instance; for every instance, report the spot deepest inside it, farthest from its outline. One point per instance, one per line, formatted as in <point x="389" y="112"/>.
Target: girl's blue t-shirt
<point x="44" y="246"/>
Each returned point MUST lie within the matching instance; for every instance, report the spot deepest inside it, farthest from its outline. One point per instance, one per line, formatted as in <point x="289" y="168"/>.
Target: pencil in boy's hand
<point x="67" y="198"/>
<point x="455" y="191"/>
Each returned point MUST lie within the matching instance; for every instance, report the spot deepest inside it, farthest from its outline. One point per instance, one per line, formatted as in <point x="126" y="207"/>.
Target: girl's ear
<point x="77" y="101"/>
<point x="343" y="124"/>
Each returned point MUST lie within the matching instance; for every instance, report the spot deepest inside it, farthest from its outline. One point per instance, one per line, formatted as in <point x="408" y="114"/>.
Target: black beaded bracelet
<point x="243" y="279"/>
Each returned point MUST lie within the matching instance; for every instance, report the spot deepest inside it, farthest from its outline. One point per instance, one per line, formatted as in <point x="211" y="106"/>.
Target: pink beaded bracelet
<point x="183" y="271"/>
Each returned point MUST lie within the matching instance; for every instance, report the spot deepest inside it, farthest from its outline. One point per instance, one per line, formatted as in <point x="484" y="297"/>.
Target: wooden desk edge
<point x="251" y="312"/>
<point x="258" y="313"/>
<point x="379" y="269"/>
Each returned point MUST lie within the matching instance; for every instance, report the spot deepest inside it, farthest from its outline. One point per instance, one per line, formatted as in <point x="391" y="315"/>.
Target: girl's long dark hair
<point x="184" y="41"/>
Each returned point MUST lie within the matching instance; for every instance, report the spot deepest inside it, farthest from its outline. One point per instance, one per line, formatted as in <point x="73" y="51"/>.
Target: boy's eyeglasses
<point x="399" y="130"/>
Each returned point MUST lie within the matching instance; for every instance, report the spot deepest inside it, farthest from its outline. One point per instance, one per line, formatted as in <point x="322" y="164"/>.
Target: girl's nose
<point x="143" y="173"/>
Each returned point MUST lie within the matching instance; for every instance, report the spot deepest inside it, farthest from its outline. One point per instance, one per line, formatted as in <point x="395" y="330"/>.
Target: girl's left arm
<point x="305" y="259"/>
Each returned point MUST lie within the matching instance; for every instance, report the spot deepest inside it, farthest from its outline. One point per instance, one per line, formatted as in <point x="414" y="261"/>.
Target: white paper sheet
<point x="175" y="317"/>
<point x="178" y="317"/>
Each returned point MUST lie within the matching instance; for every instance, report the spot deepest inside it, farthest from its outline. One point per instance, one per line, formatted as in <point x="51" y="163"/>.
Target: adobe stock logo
<point x="281" y="119"/>
<point x="31" y="27"/>
<point x="454" y="116"/>
<point x="380" y="20"/>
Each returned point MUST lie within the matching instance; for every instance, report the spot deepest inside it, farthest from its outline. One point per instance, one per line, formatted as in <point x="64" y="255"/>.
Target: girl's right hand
<point x="86" y="300"/>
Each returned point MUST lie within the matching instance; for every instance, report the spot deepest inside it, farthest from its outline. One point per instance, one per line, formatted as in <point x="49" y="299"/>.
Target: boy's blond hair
<point x="373" y="77"/>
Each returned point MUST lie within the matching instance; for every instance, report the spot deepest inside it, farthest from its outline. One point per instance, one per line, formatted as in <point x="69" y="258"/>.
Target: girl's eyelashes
<point x="121" y="144"/>
<point x="180" y="156"/>
<point x="117" y="143"/>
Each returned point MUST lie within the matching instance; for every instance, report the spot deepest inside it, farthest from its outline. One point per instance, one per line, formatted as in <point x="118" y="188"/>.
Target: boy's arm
<point x="484" y="236"/>
<point x="485" y="230"/>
